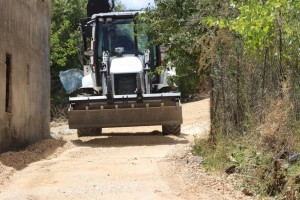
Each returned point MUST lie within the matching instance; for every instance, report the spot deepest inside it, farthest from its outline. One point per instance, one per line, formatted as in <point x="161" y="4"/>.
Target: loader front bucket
<point x="124" y="111"/>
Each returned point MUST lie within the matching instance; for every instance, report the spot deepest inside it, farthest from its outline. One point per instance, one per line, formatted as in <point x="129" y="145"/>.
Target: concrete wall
<point x="25" y="37"/>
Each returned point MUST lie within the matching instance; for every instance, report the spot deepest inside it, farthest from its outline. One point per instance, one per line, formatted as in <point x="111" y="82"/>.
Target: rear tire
<point x="89" y="132"/>
<point x="174" y="129"/>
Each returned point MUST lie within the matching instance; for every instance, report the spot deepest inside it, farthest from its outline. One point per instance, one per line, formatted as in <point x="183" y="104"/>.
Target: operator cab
<point x="117" y="31"/>
<point x="121" y="38"/>
<point x="118" y="34"/>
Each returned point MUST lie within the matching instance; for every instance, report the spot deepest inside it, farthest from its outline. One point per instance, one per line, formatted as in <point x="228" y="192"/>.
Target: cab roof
<point x="117" y="14"/>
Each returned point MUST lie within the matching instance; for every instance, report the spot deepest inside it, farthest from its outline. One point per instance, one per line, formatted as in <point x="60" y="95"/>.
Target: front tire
<point x="89" y="132"/>
<point x="174" y="129"/>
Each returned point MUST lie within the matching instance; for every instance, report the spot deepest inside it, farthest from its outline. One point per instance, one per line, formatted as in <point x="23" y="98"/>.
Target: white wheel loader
<point x="120" y="87"/>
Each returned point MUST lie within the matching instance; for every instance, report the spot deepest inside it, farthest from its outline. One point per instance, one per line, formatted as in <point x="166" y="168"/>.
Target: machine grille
<point x="125" y="84"/>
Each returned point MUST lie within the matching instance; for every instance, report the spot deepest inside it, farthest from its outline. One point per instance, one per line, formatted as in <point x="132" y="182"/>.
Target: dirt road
<point x="124" y="163"/>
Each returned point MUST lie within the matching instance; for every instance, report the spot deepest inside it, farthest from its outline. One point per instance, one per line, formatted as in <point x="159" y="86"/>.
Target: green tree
<point x="64" y="43"/>
<point x="119" y="6"/>
<point x="66" y="15"/>
<point x="171" y="24"/>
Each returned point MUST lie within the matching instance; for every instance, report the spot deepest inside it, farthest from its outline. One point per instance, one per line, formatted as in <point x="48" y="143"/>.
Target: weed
<point x="262" y="169"/>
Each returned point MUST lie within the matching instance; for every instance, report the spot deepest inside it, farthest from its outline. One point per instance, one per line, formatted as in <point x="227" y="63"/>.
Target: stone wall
<point x="24" y="72"/>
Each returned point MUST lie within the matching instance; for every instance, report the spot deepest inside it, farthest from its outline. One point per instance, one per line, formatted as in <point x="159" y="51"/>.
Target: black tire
<point x="89" y="132"/>
<point x="174" y="129"/>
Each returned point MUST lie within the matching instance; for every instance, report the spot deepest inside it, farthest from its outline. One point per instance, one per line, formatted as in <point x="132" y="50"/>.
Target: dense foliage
<point x="66" y="15"/>
<point x="248" y="50"/>
<point x="266" y="66"/>
<point x="169" y="24"/>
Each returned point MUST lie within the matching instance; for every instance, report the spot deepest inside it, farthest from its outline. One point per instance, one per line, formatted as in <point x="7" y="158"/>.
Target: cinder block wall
<point x="24" y="72"/>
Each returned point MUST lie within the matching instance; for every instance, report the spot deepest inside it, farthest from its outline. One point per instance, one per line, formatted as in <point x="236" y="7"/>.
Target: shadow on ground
<point x="120" y="139"/>
<point x="41" y="150"/>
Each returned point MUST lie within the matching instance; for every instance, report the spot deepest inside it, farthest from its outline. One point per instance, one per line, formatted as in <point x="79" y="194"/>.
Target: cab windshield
<point x="120" y="33"/>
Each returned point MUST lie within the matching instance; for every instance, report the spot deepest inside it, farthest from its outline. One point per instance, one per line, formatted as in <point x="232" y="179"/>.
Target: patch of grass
<point x="228" y="151"/>
<point x="215" y="156"/>
<point x="263" y="173"/>
<point x="261" y="155"/>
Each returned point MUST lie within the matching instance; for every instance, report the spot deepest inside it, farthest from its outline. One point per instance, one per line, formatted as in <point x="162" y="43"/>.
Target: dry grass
<point x="261" y="155"/>
<point x="275" y="130"/>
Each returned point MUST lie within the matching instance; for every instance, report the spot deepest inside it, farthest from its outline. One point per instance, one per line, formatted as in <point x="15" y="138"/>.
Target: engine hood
<point x="125" y="65"/>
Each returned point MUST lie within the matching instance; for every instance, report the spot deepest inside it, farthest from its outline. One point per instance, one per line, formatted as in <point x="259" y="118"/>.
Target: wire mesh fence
<point x="59" y="101"/>
<point x="244" y="87"/>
